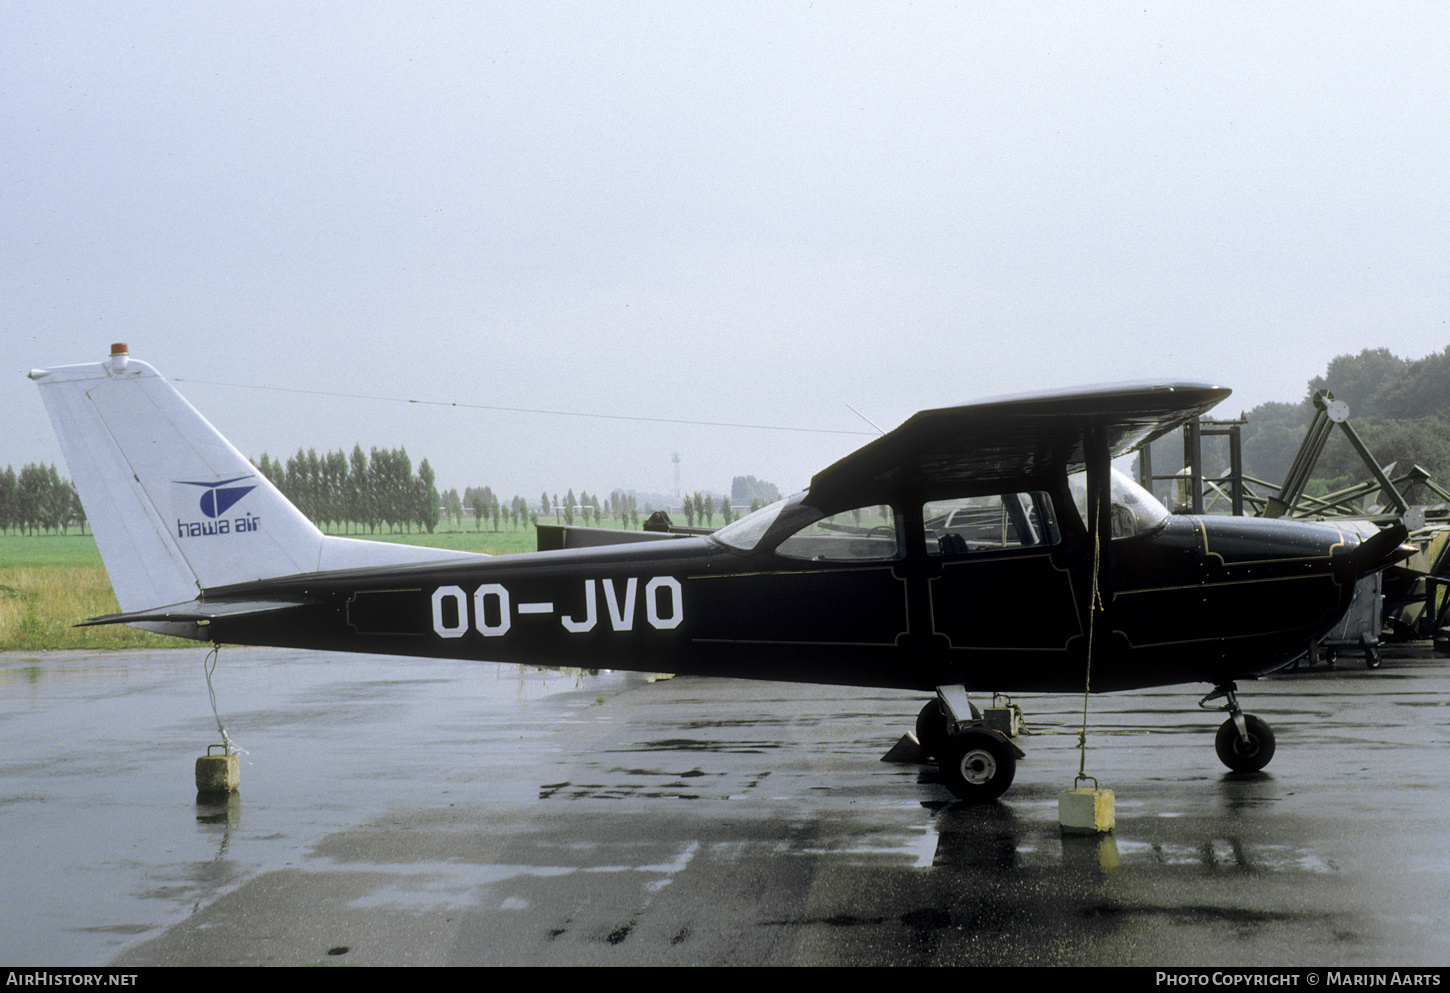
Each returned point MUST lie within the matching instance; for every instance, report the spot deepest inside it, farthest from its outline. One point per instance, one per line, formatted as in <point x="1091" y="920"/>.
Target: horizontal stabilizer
<point x="198" y="612"/>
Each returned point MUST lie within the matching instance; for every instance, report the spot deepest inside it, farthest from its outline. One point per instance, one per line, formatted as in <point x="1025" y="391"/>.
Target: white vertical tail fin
<point x="174" y="507"/>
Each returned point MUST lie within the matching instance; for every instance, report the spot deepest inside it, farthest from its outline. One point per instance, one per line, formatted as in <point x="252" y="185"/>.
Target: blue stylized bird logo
<point x="220" y="496"/>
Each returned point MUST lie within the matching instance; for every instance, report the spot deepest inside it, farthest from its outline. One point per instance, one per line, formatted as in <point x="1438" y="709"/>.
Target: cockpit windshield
<point x="1134" y="510"/>
<point x="746" y="533"/>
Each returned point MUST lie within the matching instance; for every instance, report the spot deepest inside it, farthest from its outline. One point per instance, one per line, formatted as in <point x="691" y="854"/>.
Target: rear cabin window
<point x="984" y="524"/>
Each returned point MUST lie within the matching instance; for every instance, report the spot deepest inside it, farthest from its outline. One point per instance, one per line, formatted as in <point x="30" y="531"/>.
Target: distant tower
<point x="676" y="460"/>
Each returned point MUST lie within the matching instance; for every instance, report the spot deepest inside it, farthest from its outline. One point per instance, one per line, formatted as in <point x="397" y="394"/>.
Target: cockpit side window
<point x="863" y="534"/>
<point x="995" y="523"/>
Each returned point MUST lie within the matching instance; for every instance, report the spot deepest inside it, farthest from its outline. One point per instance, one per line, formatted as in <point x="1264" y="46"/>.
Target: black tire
<point x="977" y="765"/>
<point x="1245" y="756"/>
<point x="931" y="728"/>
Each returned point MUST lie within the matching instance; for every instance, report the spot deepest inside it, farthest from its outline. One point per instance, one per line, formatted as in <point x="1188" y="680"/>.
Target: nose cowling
<point x="1274" y="586"/>
<point x="1264" y="543"/>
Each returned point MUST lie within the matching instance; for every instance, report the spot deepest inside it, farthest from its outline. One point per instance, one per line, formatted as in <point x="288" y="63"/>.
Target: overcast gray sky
<point x="750" y="213"/>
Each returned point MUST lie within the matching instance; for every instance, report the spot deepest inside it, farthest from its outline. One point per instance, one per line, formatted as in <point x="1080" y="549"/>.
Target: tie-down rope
<point x="1095" y="606"/>
<point x="210" y="664"/>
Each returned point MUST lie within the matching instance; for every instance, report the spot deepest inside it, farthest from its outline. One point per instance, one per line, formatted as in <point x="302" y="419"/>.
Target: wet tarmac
<point x="407" y="812"/>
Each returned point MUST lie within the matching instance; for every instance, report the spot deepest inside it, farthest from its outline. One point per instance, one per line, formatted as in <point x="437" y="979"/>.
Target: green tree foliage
<point x="453" y="507"/>
<point x="364" y="491"/>
<point x="335" y="478"/>
<point x="478" y="499"/>
<point x="746" y="490"/>
<point x="38" y="499"/>
<point x="1362" y="380"/>
<point x="425" y="500"/>
<point x="359" y="503"/>
<point x="1270" y="439"/>
<point x="1399" y="407"/>
<point x="9" y="497"/>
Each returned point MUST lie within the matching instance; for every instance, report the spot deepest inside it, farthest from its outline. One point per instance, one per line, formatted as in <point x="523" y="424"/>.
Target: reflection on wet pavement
<point x="416" y="812"/>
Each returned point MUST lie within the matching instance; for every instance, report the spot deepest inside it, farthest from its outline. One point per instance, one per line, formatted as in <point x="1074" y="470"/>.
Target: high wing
<point x="1003" y="439"/>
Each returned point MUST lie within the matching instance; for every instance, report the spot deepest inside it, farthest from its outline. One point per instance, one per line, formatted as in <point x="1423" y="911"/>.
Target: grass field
<point x="49" y="583"/>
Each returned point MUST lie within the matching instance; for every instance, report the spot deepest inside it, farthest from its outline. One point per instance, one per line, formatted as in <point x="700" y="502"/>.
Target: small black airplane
<point x="990" y="547"/>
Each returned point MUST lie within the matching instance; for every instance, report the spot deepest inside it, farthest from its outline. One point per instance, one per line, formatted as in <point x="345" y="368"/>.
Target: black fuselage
<point x="1205" y="599"/>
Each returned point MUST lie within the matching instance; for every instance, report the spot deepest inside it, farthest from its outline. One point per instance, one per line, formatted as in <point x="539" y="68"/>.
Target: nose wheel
<point x="1248" y="750"/>
<point x="1244" y="742"/>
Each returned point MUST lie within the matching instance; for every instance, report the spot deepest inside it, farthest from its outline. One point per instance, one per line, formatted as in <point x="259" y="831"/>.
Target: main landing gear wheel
<point x="1242" y="755"/>
<point x="977" y="765"/>
<point x="931" y="728"/>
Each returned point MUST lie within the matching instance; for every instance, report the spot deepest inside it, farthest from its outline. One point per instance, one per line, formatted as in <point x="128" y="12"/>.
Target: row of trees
<point x="486" y="507"/>
<point x="333" y="490"/>
<point x="619" y="508"/>
<point x="701" y="507"/>
<point x="358" y="491"/>
<point x="37" y="499"/>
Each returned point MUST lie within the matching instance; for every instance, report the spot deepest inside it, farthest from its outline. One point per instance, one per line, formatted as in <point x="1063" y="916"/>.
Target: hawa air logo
<point x="215" y="502"/>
